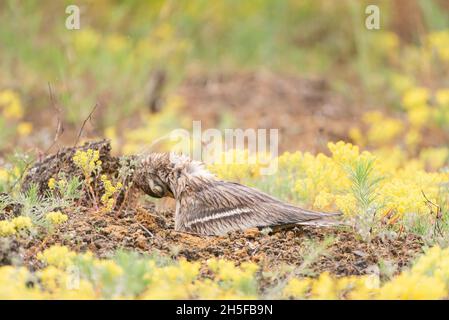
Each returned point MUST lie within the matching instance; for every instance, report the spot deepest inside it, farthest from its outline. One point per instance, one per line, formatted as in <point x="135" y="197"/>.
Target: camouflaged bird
<point x="208" y="206"/>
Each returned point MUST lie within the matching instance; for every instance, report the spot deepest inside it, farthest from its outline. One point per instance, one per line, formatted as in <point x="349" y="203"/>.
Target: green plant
<point x="364" y="183"/>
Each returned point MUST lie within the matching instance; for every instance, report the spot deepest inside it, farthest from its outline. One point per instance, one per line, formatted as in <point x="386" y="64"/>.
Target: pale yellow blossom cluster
<point x="324" y="182"/>
<point x="4" y="175"/>
<point x="11" y="109"/>
<point x="58" y="256"/>
<point x="427" y="279"/>
<point x="67" y="275"/>
<point x="381" y="130"/>
<point x="10" y="105"/>
<point x="10" y="227"/>
<point x="88" y="161"/>
<point x="56" y="217"/>
<point x="235" y="164"/>
<point x="439" y="41"/>
<point x="423" y="105"/>
<point x="161" y="42"/>
<point x="110" y="192"/>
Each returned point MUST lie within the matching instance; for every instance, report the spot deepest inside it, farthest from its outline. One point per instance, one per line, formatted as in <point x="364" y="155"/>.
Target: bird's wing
<point x="218" y="207"/>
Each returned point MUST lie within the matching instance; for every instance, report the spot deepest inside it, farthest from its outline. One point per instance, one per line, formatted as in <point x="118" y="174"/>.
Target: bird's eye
<point x="152" y="185"/>
<point x="156" y="188"/>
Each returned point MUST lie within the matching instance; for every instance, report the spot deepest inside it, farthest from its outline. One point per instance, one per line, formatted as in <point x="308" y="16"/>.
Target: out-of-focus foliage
<point x="383" y="186"/>
<point x="120" y="44"/>
<point x="68" y="275"/>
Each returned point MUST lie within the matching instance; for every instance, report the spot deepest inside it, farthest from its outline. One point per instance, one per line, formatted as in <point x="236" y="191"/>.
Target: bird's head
<point x="167" y="174"/>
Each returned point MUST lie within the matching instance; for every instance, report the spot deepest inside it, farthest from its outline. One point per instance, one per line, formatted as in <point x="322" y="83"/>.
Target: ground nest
<point x="145" y="229"/>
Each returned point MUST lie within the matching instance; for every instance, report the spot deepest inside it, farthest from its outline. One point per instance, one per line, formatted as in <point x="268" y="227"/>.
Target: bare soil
<point x="144" y="230"/>
<point x="306" y="111"/>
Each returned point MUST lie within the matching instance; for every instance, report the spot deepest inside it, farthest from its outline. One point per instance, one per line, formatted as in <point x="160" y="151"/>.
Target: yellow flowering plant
<point x="111" y="191"/>
<point x="372" y="186"/>
<point x="56" y="217"/>
<point x="67" y="275"/>
<point x="63" y="188"/>
<point x="10" y="105"/>
<point x="90" y="164"/>
<point x="88" y="161"/>
<point x="15" y="225"/>
<point x="11" y="115"/>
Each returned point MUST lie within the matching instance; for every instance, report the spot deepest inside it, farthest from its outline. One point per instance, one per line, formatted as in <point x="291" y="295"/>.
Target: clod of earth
<point x="62" y="162"/>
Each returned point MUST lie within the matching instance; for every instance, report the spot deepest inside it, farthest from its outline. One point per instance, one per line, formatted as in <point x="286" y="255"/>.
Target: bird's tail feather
<point x="318" y="219"/>
<point x="321" y="223"/>
<point x="317" y="214"/>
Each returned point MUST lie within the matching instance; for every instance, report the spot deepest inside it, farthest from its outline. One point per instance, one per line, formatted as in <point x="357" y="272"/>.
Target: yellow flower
<point x="296" y="288"/>
<point x="249" y="267"/>
<point x="109" y="267"/>
<point x="324" y="288"/>
<point x="323" y="201"/>
<point x="88" y="161"/>
<point x="347" y="204"/>
<point x="116" y="43"/>
<point x="409" y="286"/>
<point x="4" y="175"/>
<point x="110" y="191"/>
<point x="56" y="217"/>
<point x="237" y="164"/>
<point x="434" y="158"/>
<point x="22" y="223"/>
<point x="385" y="131"/>
<point x="62" y="183"/>
<point x="13" y="281"/>
<point x="164" y="31"/>
<point x="6" y="228"/>
<point x="24" y="128"/>
<point x="439" y="40"/>
<point x="413" y="138"/>
<point x="52" y="278"/>
<point x="442" y="97"/>
<point x="387" y="42"/>
<point x="11" y="105"/>
<point x="415" y="98"/>
<point x="85" y="40"/>
<point x="51" y="183"/>
<point x="356" y="135"/>
<point x="58" y="256"/>
<point x="419" y="117"/>
<point x="401" y="83"/>
<point x="343" y="152"/>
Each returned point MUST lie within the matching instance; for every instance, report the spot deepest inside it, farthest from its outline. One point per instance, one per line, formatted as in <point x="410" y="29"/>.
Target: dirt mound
<point x="62" y="162"/>
<point x="305" y="111"/>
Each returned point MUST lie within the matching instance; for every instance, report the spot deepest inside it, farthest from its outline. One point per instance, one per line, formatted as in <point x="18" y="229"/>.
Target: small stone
<point x="251" y="233"/>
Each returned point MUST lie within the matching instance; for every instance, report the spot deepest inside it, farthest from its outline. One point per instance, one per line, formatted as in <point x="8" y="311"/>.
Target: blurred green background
<point x="131" y="58"/>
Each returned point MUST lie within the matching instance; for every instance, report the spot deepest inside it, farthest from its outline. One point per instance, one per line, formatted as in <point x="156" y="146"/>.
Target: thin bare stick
<point x="146" y="230"/>
<point x="438" y="215"/>
<point x="58" y="133"/>
<point x="84" y="124"/>
<point x="59" y="125"/>
<point x="427" y="199"/>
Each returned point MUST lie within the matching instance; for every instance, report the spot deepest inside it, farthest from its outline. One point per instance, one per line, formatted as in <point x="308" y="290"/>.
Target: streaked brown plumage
<point x="208" y="206"/>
